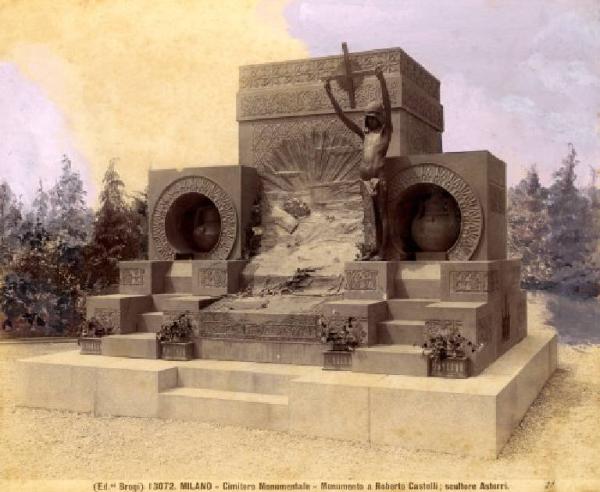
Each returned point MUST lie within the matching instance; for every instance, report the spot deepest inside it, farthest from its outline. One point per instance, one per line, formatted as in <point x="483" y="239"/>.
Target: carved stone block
<point x="369" y="280"/>
<point x="118" y="311"/>
<point x="366" y="312"/>
<point x="142" y="277"/>
<point x="216" y="277"/>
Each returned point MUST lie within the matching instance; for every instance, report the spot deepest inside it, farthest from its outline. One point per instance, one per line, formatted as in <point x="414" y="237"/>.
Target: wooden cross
<point x="346" y="78"/>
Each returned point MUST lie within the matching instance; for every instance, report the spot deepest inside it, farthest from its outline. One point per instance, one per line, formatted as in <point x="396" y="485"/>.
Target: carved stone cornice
<point x="392" y="61"/>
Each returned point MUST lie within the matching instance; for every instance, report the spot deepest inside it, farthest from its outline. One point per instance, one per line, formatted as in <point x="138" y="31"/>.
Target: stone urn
<point x="207" y="229"/>
<point x="436" y="226"/>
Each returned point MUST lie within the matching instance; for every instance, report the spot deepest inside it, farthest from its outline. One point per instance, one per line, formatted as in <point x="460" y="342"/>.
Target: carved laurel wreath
<point x="208" y="188"/>
<point x="471" y="225"/>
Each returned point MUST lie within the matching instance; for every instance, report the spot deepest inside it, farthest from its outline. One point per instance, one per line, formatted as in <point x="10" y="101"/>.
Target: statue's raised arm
<point x="387" y="105"/>
<point x="340" y="112"/>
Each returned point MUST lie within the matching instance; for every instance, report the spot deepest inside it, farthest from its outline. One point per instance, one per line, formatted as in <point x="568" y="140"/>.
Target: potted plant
<point x="343" y="339"/>
<point x="175" y="338"/>
<point x="90" y="337"/>
<point x="447" y="355"/>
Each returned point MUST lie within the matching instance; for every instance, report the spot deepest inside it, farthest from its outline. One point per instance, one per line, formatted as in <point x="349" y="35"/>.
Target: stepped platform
<point x="472" y="416"/>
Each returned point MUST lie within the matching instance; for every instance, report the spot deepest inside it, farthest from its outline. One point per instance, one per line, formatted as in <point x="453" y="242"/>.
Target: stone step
<point x="271" y="379"/>
<point x="134" y="345"/>
<point x="149" y="322"/>
<point x="410" y="308"/>
<point x="401" y="332"/>
<point x="181" y="302"/>
<point x="189" y="302"/>
<point x="254" y="410"/>
<point x="405" y="360"/>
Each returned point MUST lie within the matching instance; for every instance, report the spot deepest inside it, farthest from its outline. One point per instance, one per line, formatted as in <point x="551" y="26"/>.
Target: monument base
<point x="474" y="416"/>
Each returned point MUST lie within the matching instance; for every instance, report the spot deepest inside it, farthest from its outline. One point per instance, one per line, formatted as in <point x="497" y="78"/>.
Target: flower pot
<point x="337" y="360"/>
<point x="90" y="346"/>
<point x="177" y="350"/>
<point x="456" y="368"/>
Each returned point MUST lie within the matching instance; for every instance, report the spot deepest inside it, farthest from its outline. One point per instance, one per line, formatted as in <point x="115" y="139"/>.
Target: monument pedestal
<point x="474" y="416"/>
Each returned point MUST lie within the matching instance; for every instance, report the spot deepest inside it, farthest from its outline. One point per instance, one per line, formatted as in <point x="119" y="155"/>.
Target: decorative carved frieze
<point x="288" y="101"/>
<point x="296" y="101"/>
<point x="131" y="276"/>
<point x="392" y="61"/>
<point x="274" y="327"/>
<point x="268" y="135"/>
<point x="467" y="281"/>
<point x="212" y="277"/>
<point x="109" y="318"/>
<point x="208" y="188"/>
<point x="361" y="279"/>
<point x="468" y="203"/>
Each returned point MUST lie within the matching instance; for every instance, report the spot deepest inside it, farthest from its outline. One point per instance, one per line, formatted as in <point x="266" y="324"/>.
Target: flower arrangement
<point x="178" y="330"/>
<point x="94" y="328"/>
<point x="343" y="337"/>
<point x="448" y="346"/>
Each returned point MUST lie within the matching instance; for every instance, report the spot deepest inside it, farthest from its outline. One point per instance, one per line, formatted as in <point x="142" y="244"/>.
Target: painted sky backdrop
<point x="154" y="83"/>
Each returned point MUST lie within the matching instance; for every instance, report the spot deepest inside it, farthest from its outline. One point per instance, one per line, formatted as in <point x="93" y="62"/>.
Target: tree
<point x="528" y="224"/>
<point x="115" y="233"/>
<point x="569" y="243"/>
<point x="68" y="215"/>
<point x="10" y="223"/>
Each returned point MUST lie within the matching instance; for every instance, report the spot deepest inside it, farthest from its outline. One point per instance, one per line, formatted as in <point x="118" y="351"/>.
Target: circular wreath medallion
<point x="471" y="214"/>
<point x="212" y="191"/>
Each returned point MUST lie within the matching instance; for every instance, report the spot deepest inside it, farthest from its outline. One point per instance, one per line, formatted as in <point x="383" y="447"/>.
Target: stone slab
<point x="390" y="359"/>
<point x="252" y="410"/>
<point x="134" y="345"/>
<point x="94" y="383"/>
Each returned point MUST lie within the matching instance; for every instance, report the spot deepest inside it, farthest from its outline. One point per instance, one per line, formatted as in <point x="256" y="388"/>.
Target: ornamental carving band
<point x="471" y="215"/>
<point x="132" y="276"/>
<point x="361" y="280"/>
<point x="212" y="191"/>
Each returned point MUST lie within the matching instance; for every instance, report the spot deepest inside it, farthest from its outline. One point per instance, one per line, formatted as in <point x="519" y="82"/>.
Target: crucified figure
<point x="376" y="137"/>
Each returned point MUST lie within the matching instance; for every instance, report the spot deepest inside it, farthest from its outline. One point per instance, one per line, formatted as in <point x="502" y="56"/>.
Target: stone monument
<point x="260" y="253"/>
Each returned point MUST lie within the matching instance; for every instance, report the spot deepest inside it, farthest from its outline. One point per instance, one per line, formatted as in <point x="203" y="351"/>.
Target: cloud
<point x="153" y="85"/>
<point x="519" y="78"/>
<point x="35" y="135"/>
